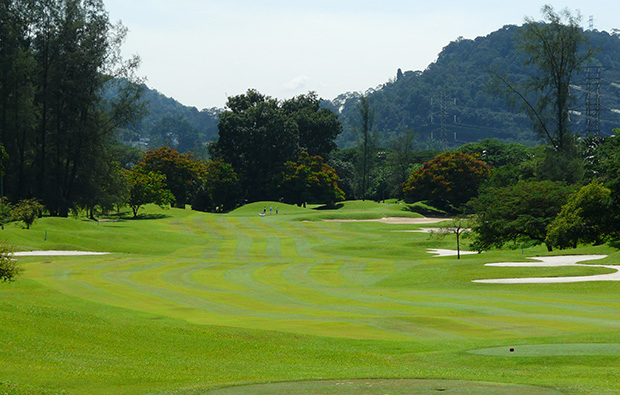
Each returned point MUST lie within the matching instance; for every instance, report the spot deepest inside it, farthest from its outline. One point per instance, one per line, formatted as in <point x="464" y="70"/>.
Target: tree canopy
<point x="585" y="218"/>
<point x="56" y="58"/>
<point x="183" y="173"/>
<point x="517" y="213"/>
<point x="310" y="179"/>
<point x="450" y="180"/>
<point x="258" y="135"/>
<point x="555" y="48"/>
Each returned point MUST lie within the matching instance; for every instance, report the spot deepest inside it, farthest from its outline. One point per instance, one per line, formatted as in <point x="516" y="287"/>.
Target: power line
<point x="593" y="101"/>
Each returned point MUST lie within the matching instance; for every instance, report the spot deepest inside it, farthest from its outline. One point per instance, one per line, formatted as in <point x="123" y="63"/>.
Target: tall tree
<point x="55" y="123"/>
<point x="367" y="143"/>
<point x="256" y="138"/>
<point x="17" y="112"/>
<point x="555" y="48"/>
<point x="401" y="159"/>
<point x="317" y="127"/>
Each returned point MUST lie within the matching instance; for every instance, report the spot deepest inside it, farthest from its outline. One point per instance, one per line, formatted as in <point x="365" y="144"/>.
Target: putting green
<point x="552" y="350"/>
<point x="381" y="387"/>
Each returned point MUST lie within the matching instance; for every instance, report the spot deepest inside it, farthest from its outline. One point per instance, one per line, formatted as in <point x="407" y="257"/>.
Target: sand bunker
<point x="57" y="253"/>
<point x="442" y="252"/>
<point x="434" y="230"/>
<point x="394" y="220"/>
<point x="554" y="261"/>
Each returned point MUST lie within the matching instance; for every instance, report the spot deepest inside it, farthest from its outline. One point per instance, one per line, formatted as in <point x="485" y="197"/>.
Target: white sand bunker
<point x="439" y="252"/>
<point x="553" y="261"/>
<point x="57" y="253"/>
<point x="394" y="220"/>
<point x="434" y="230"/>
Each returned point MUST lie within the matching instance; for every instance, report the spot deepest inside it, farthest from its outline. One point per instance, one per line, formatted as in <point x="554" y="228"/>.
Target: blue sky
<point x="200" y="52"/>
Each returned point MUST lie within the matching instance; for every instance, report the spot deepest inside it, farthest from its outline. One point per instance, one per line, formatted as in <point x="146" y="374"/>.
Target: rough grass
<point x="189" y="302"/>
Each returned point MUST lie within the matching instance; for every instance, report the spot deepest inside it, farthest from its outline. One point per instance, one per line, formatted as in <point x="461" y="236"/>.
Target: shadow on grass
<point x="147" y="216"/>
<point x="425" y="209"/>
<point x="330" y="207"/>
<point x="614" y="244"/>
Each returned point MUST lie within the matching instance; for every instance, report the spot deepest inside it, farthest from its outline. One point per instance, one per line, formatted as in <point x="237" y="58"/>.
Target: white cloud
<point x="297" y="83"/>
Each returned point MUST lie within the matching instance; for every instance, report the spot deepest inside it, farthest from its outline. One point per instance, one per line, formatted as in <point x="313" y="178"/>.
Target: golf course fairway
<point x="194" y="303"/>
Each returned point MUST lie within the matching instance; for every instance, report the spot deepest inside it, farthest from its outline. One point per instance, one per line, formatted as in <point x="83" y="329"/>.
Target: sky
<point x="202" y="51"/>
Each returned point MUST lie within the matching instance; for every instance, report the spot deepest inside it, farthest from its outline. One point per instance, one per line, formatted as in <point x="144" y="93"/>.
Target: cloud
<point x="297" y="83"/>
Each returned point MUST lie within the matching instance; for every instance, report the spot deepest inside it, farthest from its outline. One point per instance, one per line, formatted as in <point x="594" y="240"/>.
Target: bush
<point x="586" y="218"/>
<point x="8" y="266"/>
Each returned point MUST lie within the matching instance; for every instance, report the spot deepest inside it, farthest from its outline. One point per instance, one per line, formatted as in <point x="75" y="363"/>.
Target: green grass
<point x="190" y="302"/>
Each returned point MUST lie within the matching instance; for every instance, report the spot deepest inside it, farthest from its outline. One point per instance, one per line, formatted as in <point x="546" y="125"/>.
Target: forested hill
<point x="454" y="97"/>
<point x="453" y="100"/>
<point x="168" y="122"/>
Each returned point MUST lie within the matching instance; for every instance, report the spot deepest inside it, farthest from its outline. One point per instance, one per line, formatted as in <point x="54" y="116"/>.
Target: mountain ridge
<point x="449" y="103"/>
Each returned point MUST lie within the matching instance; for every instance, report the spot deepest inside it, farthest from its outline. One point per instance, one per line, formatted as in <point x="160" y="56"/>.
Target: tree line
<point x="56" y="127"/>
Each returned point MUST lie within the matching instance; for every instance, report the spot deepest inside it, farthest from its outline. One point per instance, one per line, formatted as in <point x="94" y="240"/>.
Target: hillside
<point x="453" y="100"/>
<point x="457" y="91"/>
<point x="167" y="119"/>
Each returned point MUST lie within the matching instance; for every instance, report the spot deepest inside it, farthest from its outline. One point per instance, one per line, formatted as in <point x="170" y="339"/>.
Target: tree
<point x="8" y="266"/>
<point x="27" y="211"/>
<point x="183" y="173"/>
<point x="456" y="226"/>
<point x="317" y="127"/>
<point x="449" y="180"/>
<point x="145" y="188"/>
<point x="366" y="143"/>
<point x="55" y="122"/>
<point x="310" y="179"/>
<point x="497" y="154"/>
<point x="115" y="189"/>
<point x="584" y="218"/>
<point x="554" y="49"/>
<point x="401" y="158"/>
<point x="219" y="188"/>
<point x="256" y="138"/>
<point x="607" y="168"/>
<point x="520" y="212"/>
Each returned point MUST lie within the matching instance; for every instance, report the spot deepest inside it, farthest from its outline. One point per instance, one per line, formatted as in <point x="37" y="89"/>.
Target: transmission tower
<point x="593" y="101"/>
<point x="444" y="105"/>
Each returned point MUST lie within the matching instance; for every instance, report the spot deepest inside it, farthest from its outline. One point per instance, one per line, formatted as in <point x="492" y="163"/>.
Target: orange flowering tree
<point x="310" y="179"/>
<point x="183" y="172"/>
<point x="448" y="181"/>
